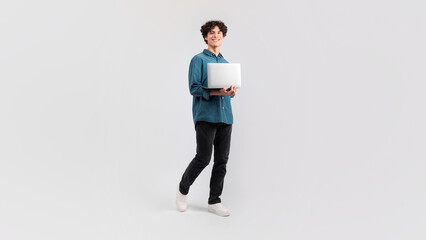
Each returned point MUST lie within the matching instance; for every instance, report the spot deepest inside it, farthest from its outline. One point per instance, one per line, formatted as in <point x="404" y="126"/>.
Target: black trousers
<point x="209" y="135"/>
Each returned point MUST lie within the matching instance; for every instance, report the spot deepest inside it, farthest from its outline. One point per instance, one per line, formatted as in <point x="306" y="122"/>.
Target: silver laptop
<point x="223" y="75"/>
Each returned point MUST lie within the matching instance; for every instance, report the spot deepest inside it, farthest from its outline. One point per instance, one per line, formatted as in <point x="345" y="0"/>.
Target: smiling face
<point x="214" y="37"/>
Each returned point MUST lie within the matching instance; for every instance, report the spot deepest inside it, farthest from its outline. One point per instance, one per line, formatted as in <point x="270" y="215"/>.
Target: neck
<point x="214" y="50"/>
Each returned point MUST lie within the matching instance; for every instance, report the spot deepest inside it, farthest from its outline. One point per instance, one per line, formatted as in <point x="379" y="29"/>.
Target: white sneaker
<point x="180" y="201"/>
<point x="219" y="209"/>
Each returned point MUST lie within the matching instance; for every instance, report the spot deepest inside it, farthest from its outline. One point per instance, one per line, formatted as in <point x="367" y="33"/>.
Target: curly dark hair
<point x="205" y="29"/>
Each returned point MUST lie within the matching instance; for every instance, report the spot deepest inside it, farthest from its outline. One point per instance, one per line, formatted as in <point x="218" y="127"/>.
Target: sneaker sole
<point x="213" y="211"/>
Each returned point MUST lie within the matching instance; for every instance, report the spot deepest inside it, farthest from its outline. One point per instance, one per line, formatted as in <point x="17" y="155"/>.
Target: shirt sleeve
<point x="195" y="77"/>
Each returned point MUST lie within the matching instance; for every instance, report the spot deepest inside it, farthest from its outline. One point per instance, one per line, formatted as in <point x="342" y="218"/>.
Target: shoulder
<point x="222" y="59"/>
<point x="197" y="59"/>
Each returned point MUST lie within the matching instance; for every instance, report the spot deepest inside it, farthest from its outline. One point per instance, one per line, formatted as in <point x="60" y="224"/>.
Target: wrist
<point x="214" y="92"/>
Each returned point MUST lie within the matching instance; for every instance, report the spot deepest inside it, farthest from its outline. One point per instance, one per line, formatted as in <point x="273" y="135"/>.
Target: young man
<point x="212" y="113"/>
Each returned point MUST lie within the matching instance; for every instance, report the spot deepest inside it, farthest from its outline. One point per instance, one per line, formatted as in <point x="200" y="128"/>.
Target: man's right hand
<point x="225" y="91"/>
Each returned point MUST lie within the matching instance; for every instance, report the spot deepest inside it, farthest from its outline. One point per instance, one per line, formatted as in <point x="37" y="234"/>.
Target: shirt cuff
<point x="206" y="94"/>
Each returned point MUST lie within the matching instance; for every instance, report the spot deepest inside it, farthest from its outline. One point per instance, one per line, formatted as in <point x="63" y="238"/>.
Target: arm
<point x="224" y="91"/>
<point x="195" y="77"/>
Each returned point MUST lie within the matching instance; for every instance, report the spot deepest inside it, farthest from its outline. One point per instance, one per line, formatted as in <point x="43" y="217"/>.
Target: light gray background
<point x="96" y="126"/>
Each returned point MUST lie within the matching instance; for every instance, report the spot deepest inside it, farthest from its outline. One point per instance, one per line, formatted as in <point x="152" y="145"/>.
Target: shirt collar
<point x="209" y="53"/>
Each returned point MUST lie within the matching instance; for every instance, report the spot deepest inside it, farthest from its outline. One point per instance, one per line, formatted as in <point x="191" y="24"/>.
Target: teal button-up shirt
<point x="215" y="109"/>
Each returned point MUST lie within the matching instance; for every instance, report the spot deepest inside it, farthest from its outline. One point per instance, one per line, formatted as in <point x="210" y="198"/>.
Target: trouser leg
<point x="222" y="143"/>
<point x="205" y="133"/>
